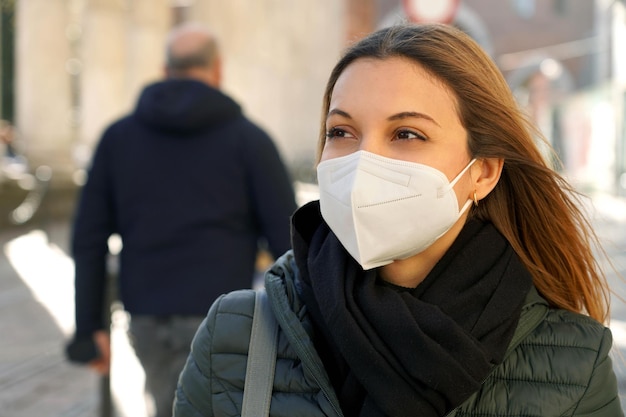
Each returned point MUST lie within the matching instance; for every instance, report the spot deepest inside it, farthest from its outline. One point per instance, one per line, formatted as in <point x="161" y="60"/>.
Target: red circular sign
<point x="431" y="11"/>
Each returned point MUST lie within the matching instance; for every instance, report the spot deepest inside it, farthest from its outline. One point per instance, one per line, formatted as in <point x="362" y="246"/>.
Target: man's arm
<point x="272" y="192"/>
<point x="93" y="224"/>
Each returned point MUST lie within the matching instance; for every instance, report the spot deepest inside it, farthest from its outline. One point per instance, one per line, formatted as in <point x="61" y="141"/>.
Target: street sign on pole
<point x="431" y="11"/>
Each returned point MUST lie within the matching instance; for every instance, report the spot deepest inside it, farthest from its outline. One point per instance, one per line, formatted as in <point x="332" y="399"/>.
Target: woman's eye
<point x="337" y="133"/>
<point x="409" y="134"/>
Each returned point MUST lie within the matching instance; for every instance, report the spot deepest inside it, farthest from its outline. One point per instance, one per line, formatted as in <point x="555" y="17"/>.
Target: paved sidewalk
<point x="36" y="318"/>
<point x="35" y="379"/>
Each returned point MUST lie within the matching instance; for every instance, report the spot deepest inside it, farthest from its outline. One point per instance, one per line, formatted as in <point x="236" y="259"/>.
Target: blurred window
<point x="524" y="8"/>
<point x="7" y="39"/>
<point x="560" y="7"/>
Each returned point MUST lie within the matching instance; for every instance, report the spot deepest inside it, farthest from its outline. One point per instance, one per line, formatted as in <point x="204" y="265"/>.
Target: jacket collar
<point x="534" y="310"/>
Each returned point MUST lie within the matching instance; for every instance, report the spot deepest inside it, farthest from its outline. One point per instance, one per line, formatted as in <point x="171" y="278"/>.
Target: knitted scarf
<point x="400" y="352"/>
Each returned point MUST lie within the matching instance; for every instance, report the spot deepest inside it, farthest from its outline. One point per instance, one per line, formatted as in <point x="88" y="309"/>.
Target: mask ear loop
<point x="442" y="191"/>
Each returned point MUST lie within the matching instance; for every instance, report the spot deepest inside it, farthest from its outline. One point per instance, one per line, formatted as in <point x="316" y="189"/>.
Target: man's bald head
<point x="192" y="52"/>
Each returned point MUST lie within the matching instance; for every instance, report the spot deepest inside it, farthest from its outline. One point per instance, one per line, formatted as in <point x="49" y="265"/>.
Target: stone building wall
<point x="278" y="55"/>
<point x="82" y="63"/>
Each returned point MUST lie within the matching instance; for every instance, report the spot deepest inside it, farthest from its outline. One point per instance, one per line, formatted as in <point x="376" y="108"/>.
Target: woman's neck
<point x="410" y="272"/>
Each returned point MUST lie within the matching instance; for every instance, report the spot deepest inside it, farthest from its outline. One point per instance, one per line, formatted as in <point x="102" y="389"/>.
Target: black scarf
<point x="405" y="352"/>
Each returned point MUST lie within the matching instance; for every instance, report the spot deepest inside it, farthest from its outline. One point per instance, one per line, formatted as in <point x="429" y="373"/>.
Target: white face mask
<point x="383" y="209"/>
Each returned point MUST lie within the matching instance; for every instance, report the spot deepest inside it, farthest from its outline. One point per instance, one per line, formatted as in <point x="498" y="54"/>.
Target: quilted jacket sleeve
<point x="600" y="398"/>
<point x="214" y="375"/>
<point x="193" y="397"/>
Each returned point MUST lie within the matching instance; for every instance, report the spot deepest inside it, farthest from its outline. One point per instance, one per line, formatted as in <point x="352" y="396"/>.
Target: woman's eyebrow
<point x="412" y="114"/>
<point x="398" y="116"/>
<point x="339" y="113"/>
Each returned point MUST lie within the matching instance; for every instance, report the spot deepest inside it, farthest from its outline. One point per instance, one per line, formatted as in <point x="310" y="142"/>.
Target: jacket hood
<point x="184" y="106"/>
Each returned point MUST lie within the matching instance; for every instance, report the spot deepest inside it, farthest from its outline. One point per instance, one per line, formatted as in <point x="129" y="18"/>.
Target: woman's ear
<point x="485" y="174"/>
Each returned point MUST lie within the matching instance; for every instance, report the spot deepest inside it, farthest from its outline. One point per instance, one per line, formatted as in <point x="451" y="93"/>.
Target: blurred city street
<point x="69" y="68"/>
<point x="36" y="306"/>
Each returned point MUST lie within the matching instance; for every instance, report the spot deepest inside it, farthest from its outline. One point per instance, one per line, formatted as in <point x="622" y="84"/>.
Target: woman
<point x="446" y="269"/>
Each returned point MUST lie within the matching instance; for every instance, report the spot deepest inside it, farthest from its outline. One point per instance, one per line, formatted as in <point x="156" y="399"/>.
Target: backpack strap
<point x="257" y="393"/>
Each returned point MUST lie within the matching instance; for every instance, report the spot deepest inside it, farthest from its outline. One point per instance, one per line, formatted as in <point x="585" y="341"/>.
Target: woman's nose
<point x="371" y="144"/>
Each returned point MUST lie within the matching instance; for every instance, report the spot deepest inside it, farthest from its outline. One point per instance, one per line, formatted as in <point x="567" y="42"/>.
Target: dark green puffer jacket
<point x="557" y="364"/>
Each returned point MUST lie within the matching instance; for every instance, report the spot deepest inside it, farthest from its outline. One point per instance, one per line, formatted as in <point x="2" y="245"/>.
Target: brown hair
<point x="532" y="205"/>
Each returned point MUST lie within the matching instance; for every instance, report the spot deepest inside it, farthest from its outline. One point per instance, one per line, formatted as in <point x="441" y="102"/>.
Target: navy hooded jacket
<point x="191" y="186"/>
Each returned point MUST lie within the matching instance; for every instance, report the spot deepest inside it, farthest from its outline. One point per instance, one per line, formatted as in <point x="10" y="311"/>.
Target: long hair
<point x="536" y="210"/>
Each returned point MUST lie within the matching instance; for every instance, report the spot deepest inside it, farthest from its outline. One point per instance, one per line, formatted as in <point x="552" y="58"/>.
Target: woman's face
<point x="394" y="108"/>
